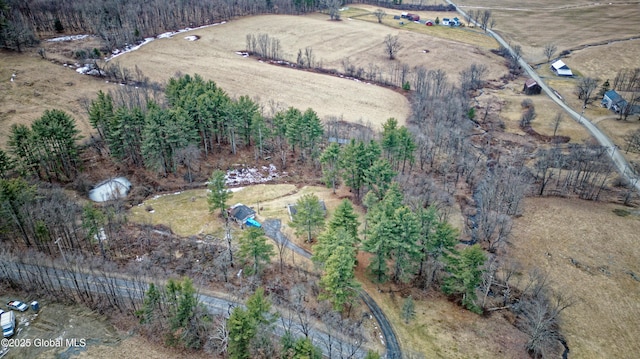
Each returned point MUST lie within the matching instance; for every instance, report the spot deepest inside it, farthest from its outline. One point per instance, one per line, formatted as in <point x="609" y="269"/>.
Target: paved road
<point x="618" y="159"/>
<point x="130" y="289"/>
<point x="272" y="230"/>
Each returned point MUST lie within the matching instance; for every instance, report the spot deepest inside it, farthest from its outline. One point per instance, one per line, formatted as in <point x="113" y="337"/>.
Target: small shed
<point x="613" y="101"/>
<point x="561" y="69"/>
<point x="241" y="213"/>
<point x="531" y="87"/>
<point x="291" y="208"/>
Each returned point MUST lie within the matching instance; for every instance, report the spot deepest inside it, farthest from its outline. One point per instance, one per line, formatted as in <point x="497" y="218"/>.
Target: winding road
<point x="272" y="230"/>
<point x="618" y="159"/>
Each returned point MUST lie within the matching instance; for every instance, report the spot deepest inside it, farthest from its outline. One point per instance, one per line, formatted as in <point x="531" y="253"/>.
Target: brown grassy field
<point x="569" y="24"/>
<point x="214" y="57"/>
<point x="441" y="329"/>
<point x="41" y="85"/>
<point x="603" y="321"/>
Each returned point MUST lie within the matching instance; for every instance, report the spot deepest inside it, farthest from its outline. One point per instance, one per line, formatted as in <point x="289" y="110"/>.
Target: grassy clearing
<point x="187" y="212"/>
<point x="603" y="322"/>
<point x="442" y="329"/>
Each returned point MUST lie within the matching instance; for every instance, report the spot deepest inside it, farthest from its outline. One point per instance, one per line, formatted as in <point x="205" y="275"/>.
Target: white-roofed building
<point x="561" y="69"/>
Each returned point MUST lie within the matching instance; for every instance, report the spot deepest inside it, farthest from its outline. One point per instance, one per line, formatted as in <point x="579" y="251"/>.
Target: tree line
<point x="197" y="118"/>
<point x="118" y="24"/>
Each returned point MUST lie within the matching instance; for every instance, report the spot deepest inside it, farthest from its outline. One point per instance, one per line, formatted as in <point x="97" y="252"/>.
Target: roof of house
<point x="241" y="212"/>
<point x="531" y="83"/>
<point x="613" y="96"/>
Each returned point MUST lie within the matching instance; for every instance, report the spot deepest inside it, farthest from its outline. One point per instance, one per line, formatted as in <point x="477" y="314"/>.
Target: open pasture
<point x="591" y="255"/>
<point x="568" y="24"/>
<point x="361" y="42"/>
<point x="41" y="85"/>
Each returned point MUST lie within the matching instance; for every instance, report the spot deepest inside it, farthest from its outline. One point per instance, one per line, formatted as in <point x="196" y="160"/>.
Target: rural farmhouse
<point x="614" y="102"/>
<point x="242" y="214"/>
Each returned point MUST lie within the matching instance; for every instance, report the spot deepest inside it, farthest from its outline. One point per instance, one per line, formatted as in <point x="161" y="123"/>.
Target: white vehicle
<point x="8" y="322"/>
<point x="17" y="305"/>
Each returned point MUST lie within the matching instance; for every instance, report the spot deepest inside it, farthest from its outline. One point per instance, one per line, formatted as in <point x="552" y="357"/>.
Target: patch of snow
<point x="192" y="38"/>
<point x="250" y="175"/>
<point x="152" y="211"/>
<point x="242" y="53"/>
<point x="100" y="236"/>
<point x="68" y="38"/>
<point x="237" y="189"/>
<point x="117" y="52"/>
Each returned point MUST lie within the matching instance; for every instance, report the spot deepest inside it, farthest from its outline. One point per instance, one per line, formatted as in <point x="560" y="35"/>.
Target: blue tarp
<point x="253" y="223"/>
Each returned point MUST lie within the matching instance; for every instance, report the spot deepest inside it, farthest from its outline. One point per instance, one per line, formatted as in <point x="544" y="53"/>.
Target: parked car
<point x="17" y="305"/>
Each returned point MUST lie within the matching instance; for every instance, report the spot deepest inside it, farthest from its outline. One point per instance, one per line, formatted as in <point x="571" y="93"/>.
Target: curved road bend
<point x="125" y="288"/>
<point x="620" y="162"/>
<point x="272" y="230"/>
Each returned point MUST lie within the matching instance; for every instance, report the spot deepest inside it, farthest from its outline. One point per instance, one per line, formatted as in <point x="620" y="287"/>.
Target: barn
<point x="561" y="69"/>
<point x="531" y="87"/>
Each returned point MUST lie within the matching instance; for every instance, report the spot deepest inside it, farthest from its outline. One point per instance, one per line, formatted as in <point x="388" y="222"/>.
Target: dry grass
<point x="568" y="24"/>
<point x="442" y="329"/>
<point x="603" y="322"/>
<point x="41" y="85"/>
<point x="187" y="212"/>
<point x="214" y="57"/>
<point x="511" y="97"/>
<point x="468" y="36"/>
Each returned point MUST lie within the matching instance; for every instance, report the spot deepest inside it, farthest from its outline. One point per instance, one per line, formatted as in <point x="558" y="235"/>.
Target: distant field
<point x="552" y="231"/>
<point x="568" y="24"/>
<point x="214" y="57"/>
<point x="41" y="85"/>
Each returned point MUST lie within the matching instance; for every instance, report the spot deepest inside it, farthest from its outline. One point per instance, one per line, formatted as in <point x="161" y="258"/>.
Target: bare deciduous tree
<point x="392" y="45"/>
<point x="584" y="89"/>
<point x="485" y="19"/>
<point x="549" y="50"/>
<point x="379" y="14"/>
